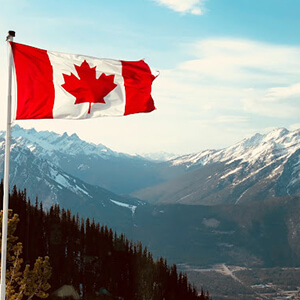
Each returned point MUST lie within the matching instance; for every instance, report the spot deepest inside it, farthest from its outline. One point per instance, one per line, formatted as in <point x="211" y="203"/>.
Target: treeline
<point x="97" y="262"/>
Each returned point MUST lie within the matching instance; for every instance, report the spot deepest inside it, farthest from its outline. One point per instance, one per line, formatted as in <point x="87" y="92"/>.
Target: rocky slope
<point x="257" y="168"/>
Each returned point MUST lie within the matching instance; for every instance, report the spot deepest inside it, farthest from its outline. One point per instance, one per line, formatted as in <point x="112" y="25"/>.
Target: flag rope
<point x="9" y="38"/>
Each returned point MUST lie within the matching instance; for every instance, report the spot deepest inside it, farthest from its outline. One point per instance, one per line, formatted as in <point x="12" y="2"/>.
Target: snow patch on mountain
<point x="241" y="196"/>
<point x="231" y="172"/>
<point x="129" y="206"/>
<point x="65" y="181"/>
<point x="201" y="158"/>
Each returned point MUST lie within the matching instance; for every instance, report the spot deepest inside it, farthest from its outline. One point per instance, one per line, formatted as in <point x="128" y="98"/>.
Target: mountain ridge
<point x="48" y="183"/>
<point x="260" y="167"/>
<point x="237" y="151"/>
<point x="95" y="164"/>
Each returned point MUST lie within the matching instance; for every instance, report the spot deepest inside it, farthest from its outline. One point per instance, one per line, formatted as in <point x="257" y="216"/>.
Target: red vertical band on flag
<point x="137" y="81"/>
<point x="35" y="89"/>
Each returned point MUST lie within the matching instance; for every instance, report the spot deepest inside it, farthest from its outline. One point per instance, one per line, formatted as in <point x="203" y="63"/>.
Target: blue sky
<point x="228" y="69"/>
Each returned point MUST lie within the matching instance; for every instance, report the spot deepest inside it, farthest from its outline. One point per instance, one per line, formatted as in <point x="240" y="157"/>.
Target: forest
<point x="97" y="262"/>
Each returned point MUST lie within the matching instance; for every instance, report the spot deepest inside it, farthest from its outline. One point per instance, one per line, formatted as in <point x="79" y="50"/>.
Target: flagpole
<point x="10" y="37"/>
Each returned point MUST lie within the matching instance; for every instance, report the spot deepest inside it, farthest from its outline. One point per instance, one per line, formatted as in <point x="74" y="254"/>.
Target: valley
<point x="233" y="282"/>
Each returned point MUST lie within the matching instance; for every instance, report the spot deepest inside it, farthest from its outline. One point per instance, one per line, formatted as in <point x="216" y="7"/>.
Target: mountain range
<point x="36" y="164"/>
<point x="231" y="205"/>
<point x="95" y="164"/>
<point x="257" y="168"/>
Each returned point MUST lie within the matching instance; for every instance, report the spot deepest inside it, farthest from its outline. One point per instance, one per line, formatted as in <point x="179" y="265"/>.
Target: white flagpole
<point x="10" y="37"/>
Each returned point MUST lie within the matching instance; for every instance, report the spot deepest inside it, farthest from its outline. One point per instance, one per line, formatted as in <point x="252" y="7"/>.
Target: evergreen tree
<point x="20" y="283"/>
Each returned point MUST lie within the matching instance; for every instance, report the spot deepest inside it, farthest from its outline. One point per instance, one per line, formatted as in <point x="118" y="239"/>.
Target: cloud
<point x="234" y="77"/>
<point x="244" y="61"/>
<point x="279" y="110"/>
<point x="278" y="102"/>
<point x="278" y="93"/>
<point x="230" y="89"/>
<point x="232" y="119"/>
<point x="194" y="7"/>
<point x="226" y="121"/>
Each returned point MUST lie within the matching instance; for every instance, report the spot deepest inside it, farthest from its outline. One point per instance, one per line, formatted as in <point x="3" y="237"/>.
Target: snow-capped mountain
<point x="278" y="143"/>
<point x="257" y="168"/>
<point x="44" y="178"/>
<point x="46" y="144"/>
<point x="260" y="167"/>
<point x="94" y="164"/>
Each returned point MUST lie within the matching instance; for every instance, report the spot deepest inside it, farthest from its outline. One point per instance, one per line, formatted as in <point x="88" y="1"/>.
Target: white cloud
<point x="278" y="102"/>
<point x="231" y="89"/>
<point x="278" y="93"/>
<point x="232" y="119"/>
<point x="275" y="110"/>
<point x="235" y="77"/>
<point x="244" y="61"/>
<point x="225" y="121"/>
<point x="194" y="7"/>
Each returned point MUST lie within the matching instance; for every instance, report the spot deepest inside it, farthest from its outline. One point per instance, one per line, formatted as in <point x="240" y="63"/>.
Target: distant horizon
<point x="227" y="70"/>
<point x="148" y="154"/>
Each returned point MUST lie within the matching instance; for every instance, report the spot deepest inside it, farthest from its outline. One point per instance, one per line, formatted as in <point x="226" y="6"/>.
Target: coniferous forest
<point x="97" y="262"/>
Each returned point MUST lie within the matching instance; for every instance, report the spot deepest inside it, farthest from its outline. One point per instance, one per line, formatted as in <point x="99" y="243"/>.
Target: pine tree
<point x="35" y="281"/>
<point x="20" y="283"/>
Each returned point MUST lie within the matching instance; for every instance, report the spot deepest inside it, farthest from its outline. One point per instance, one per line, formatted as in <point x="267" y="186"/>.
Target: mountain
<point x="258" y="168"/>
<point x="30" y="170"/>
<point x="94" y="164"/>
<point x="260" y="174"/>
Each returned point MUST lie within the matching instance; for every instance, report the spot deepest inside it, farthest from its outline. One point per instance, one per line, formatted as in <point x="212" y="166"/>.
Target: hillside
<point x="255" y="234"/>
<point x="92" y="258"/>
<point x="258" y="168"/>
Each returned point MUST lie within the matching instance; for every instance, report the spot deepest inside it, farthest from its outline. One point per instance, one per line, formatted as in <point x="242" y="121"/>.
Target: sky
<point x="228" y="69"/>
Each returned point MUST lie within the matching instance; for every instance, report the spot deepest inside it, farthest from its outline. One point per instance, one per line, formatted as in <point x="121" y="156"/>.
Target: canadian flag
<point x="69" y="86"/>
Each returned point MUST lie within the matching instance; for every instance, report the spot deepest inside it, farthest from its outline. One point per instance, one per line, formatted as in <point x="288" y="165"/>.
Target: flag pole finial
<point x="11" y="35"/>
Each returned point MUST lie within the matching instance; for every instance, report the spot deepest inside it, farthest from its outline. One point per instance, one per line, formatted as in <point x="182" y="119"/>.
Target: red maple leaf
<point x="87" y="88"/>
